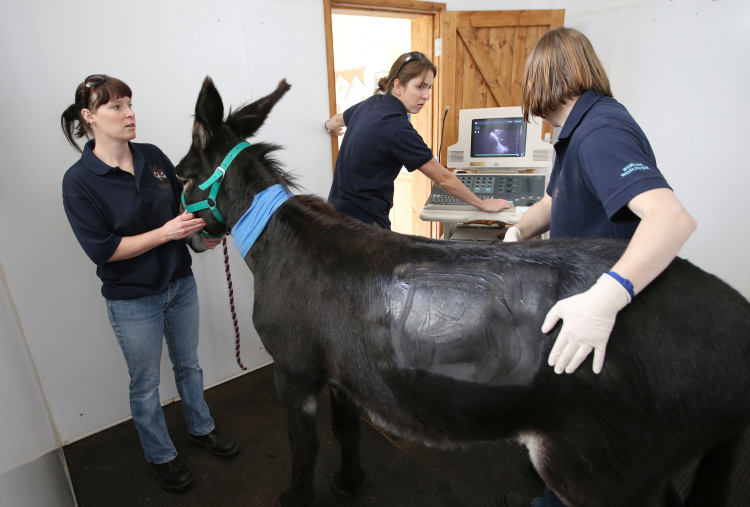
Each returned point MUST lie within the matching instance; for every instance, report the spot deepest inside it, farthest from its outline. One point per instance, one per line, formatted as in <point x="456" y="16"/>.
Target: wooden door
<point x="483" y="58"/>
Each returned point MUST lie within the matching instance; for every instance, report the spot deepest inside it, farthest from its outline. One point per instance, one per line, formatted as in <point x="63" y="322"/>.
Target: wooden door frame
<point x="380" y="8"/>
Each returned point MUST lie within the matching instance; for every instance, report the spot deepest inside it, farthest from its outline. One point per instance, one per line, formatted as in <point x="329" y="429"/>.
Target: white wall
<point x="162" y="50"/>
<point x="679" y="66"/>
<point x="28" y="455"/>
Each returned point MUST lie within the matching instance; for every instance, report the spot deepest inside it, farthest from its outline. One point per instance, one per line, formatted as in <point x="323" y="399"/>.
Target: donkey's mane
<point x="264" y="153"/>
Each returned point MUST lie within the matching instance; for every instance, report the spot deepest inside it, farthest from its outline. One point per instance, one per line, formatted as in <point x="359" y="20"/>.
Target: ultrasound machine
<point x="498" y="155"/>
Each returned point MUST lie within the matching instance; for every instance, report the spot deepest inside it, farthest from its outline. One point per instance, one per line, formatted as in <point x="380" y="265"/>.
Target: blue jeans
<point x="139" y="326"/>
<point x="548" y="499"/>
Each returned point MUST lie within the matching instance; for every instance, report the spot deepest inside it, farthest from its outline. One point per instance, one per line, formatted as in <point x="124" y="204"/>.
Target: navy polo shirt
<point x="603" y="160"/>
<point x="379" y="140"/>
<point x="104" y="204"/>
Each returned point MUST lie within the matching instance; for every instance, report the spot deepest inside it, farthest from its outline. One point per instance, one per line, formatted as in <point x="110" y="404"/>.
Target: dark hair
<point x="405" y="71"/>
<point x="95" y="95"/>
<point x="562" y="65"/>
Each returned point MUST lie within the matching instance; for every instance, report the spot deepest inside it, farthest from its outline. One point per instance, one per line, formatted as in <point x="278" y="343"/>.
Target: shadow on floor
<point x="109" y="469"/>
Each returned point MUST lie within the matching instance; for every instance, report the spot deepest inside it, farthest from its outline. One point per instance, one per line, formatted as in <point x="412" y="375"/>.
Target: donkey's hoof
<point x="346" y="488"/>
<point x="341" y="492"/>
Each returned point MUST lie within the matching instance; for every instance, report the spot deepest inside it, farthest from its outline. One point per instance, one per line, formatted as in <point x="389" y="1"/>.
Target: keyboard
<point x="518" y="189"/>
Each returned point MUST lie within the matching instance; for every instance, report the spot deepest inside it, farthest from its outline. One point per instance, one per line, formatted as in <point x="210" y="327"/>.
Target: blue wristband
<point x="624" y="282"/>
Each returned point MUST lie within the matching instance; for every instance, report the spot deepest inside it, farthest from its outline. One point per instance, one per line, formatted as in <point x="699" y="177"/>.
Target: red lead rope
<point x="231" y="304"/>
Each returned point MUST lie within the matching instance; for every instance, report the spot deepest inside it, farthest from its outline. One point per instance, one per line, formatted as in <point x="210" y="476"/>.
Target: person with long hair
<point x="604" y="183"/>
<point x="122" y="201"/>
<point x="380" y="140"/>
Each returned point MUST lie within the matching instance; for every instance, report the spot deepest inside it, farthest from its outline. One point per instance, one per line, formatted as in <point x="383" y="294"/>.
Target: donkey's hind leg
<point x="300" y="400"/>
<point x="345" y="423"/>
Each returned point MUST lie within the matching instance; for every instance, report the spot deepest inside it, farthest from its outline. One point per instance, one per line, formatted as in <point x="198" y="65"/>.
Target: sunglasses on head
<point x="414" y="55"/>
<point x="92" y="80"/>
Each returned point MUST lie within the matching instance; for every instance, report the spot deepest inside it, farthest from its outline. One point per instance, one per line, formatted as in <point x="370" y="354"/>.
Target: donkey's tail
<point x="712" y="478"/>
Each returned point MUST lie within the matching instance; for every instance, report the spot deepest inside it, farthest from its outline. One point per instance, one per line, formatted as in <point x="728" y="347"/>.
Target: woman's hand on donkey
<point x="182" y="226"/>
<point x="211" y="243"/>
<point x="588" y="319"/>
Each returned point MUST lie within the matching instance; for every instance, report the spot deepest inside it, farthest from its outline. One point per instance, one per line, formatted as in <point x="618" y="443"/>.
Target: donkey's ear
<point x="249" y="118"/>
<point x="209" y="112"/>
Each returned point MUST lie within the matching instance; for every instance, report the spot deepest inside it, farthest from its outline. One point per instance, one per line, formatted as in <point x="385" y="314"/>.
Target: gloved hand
<point x="588" y="319"/>
<point x="512" y="234"/>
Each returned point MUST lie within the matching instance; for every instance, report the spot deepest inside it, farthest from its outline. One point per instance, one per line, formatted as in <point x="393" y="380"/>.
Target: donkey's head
<point x="221" y="173"/>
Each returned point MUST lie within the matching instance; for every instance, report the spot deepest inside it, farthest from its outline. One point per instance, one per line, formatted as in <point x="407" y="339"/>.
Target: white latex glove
<point x="512" y="234"/>
<point x="588" y="319"/>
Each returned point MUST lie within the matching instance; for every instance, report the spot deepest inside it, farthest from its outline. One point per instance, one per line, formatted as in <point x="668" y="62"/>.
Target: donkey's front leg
<point x="345" y="423"/>
<point x="300" y="400"/>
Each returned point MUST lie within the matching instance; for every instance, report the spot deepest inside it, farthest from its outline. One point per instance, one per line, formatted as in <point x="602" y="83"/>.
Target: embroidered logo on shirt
<point x="161" y="176"/>
<point x="633" y="167"/>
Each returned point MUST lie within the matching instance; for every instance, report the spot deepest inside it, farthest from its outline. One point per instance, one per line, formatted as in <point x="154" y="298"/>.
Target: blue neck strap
<point x="215" y="183"/>
<point x="252" y="223"/>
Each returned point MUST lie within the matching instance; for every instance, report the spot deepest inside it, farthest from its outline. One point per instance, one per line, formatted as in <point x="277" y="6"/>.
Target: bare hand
<point x="211" y="243"/>
<point x="336" y="131"/>
<point x="182" y="226"/>
<point x="495" y="205"/>
<point x="335" y="125"/>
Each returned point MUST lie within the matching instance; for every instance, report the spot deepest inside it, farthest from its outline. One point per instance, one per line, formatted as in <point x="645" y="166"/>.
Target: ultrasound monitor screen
<point x="498" y="137"/>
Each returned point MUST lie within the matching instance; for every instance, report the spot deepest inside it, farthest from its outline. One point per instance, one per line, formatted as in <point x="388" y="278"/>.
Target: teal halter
<point x="215" y="183"/>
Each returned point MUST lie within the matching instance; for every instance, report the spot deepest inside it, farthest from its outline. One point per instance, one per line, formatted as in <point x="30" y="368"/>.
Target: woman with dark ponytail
<point x="122" y="202"/>
<point x="380" y="140"/>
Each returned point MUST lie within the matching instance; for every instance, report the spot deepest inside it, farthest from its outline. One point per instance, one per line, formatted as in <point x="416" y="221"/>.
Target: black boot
<point x="173" y="475"/>
<point x="217" y="444"/>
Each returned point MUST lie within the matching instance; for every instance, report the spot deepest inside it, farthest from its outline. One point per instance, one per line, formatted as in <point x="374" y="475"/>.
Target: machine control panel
<point x="518" y="189"/>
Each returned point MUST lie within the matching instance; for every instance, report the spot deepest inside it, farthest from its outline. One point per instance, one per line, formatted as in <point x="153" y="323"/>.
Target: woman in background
<point x="122" y="202"/>
<point x="380" y="140"/>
